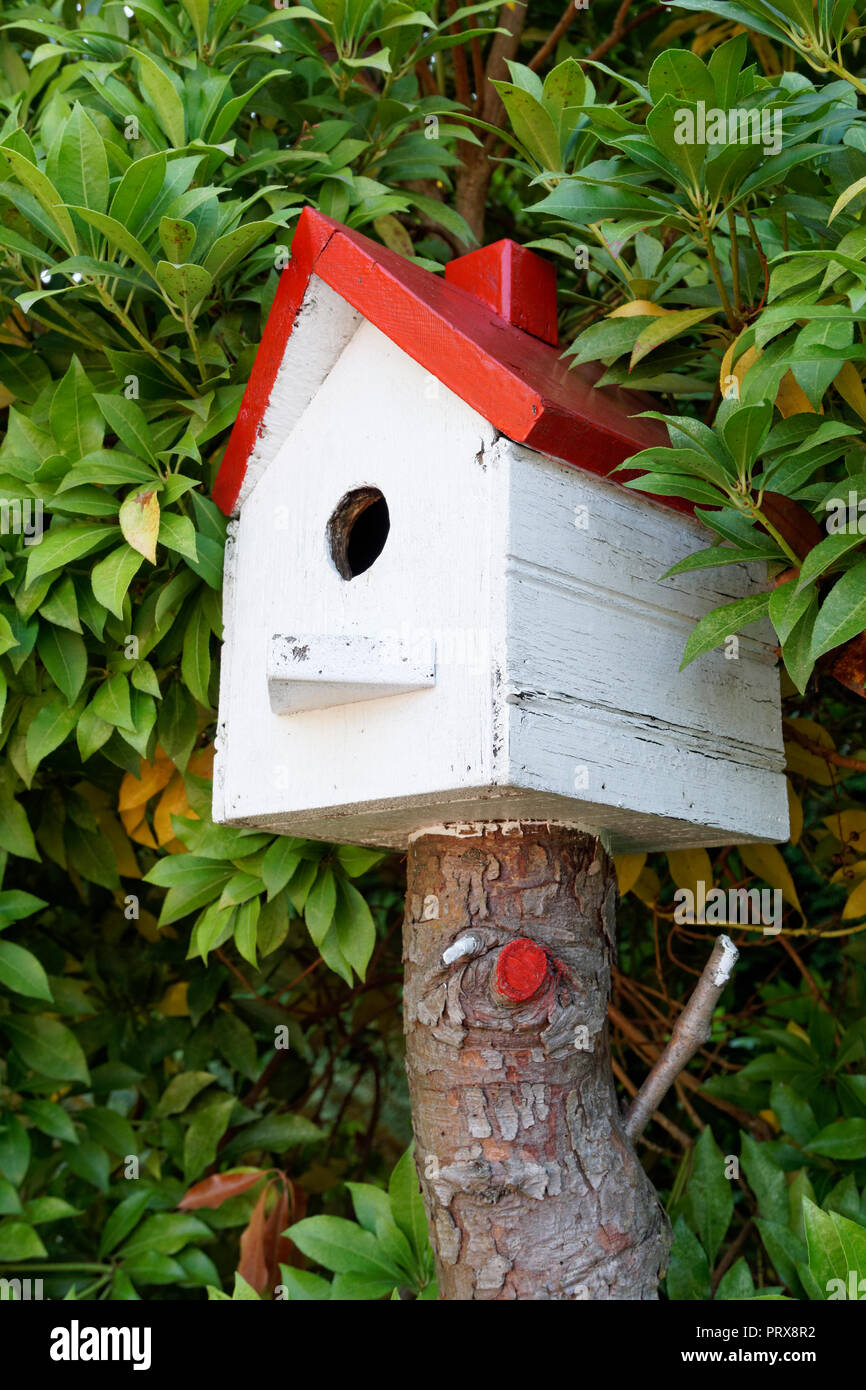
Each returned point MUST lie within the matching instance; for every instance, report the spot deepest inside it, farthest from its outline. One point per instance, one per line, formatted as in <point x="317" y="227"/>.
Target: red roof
<point x="462" y="329"/>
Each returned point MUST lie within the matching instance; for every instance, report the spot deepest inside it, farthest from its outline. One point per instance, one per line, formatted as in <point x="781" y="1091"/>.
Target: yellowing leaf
<point x="172" y="802"/>
<point x="148" y="926"/>
<point x="139" y="522"/>
<point x="628" y="870"/>
<point x="689" y="867"/>
<point x="647" y="887"/>
<point x="173" y="1003"/>
<point x="770" y="1117"/>
<point x="739" y="368"/>
<point x="137" y="827"/>
<point x="850" y="387"/>
<point x="849" y="827"/>
<point x="849" y="872"/>
<point x="802" y="760"/>
<point x="135" y="791"/>
<point x="845" y="198"/>
<point x="637" y="309"/>
<point x="765" y="861"/>
<point x="856" y="904"/>
<point x="791" y="399"/>
<point x="111" y="828"/>
<point x="795" y="813"/>
<point x="798" y="1032"/>
<point x="201" y="763"/>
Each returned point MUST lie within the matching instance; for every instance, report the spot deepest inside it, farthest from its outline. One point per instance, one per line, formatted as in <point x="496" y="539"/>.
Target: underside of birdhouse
<point x="438" y="610"/>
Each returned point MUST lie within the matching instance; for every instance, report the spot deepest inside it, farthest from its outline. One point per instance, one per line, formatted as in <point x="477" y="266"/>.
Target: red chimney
<point x="514" y="283"/>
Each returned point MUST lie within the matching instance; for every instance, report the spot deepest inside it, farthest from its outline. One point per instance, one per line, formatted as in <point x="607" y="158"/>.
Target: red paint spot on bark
<point x="520" y="969"/>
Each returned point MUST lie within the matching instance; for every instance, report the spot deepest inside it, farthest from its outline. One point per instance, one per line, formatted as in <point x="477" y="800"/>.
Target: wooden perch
<point x="690" y="1032"/>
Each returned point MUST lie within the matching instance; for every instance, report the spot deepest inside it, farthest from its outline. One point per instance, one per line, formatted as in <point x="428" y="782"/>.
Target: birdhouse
<point x="439" y="606"/>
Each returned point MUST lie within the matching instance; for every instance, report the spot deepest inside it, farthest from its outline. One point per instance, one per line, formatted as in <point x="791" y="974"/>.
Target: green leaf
<point x="129" y="423"/>
<point x="354" y="860"/>
<point x="110" y="1130"/>
<point x="199" y="883"/>
<point x="111" y="578"/>
<point x="280" y="862"/>
<point x="710" y="1194"/>
<point x="123" y="1219"/>
<point x="407" y="1204"/>
<point x="78" y="164"/>
<point x="228" y="250"/>
<point x="736" y="1283"/>
<point x="843" y="613"/>
<point x="681" y="74"/>
<point x="178" y="533"/>
<point x="185" y="285"/>
<point x="356" y="931"/>
<point x="836" y="1245"/>
<point x="844" y="1139"/>
<point x="196" y="662"/>
<point x="163" y="97"/>
<point x="344" y="1247"/>
<point x="74" y="415"/>
<point x="182" y="1089"/>
<point x="797" y="645"/>
<point x="14" y="1149"/>
<point x="276" y="1133"/>
<point x="45" y="194"/>
<point x="209" y="1124"/>
<point x="177" y="237"/>
<point x="15" y="834"/>
<point x="164" y="1234"/>
<point x="62" y="545"/>
<point x="236" y="1043"/>
<point x="245" y="929"/>
<point x="688" y="1272"/>
<point x="18" y="1241"/>
<point x="65" y="658"/>
<point x="720" y="623"/>
<point x="744" y="432"/>
<point x="532" y="125"/>
<point x="320" y="904"/>
<point x="50" y="727"/>
<point x="111" y="702"/>
<point x="21" y="972"/>
<point x="51" y="1119"/>
<point x="766" y="1180"/>
<point x="119" y="237"/>
<point x="46" y="1046"/>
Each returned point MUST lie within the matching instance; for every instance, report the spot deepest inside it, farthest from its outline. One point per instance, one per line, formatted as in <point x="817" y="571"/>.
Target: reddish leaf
<point x="213" y="1191"/>
<point x="253" y="1265"/>
<point x="848" y="664"/>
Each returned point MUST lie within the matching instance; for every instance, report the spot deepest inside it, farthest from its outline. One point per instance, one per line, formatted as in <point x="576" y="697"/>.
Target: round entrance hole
<point x="358" y="530"/>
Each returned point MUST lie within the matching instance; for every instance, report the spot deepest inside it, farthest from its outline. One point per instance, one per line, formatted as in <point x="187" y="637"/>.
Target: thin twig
<point x="690" y="1032"/>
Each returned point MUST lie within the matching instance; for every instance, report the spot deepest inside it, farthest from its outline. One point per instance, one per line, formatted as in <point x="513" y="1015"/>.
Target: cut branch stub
<point x="532" y="1188"/>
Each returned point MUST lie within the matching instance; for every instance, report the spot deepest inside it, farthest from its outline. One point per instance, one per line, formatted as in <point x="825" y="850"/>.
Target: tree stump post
<point x="532" y="1189"/>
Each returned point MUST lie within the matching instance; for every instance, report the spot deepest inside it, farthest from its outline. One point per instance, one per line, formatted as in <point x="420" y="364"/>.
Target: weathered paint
<point x="557" y="690"/>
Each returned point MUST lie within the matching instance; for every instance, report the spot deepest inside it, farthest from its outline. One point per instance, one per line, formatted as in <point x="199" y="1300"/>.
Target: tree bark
<point x="532" y="1188"/>
<point x="473" y="178"/>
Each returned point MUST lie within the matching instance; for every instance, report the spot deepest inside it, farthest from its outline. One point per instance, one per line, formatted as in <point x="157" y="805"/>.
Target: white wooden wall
<point x="557" y="692"/>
